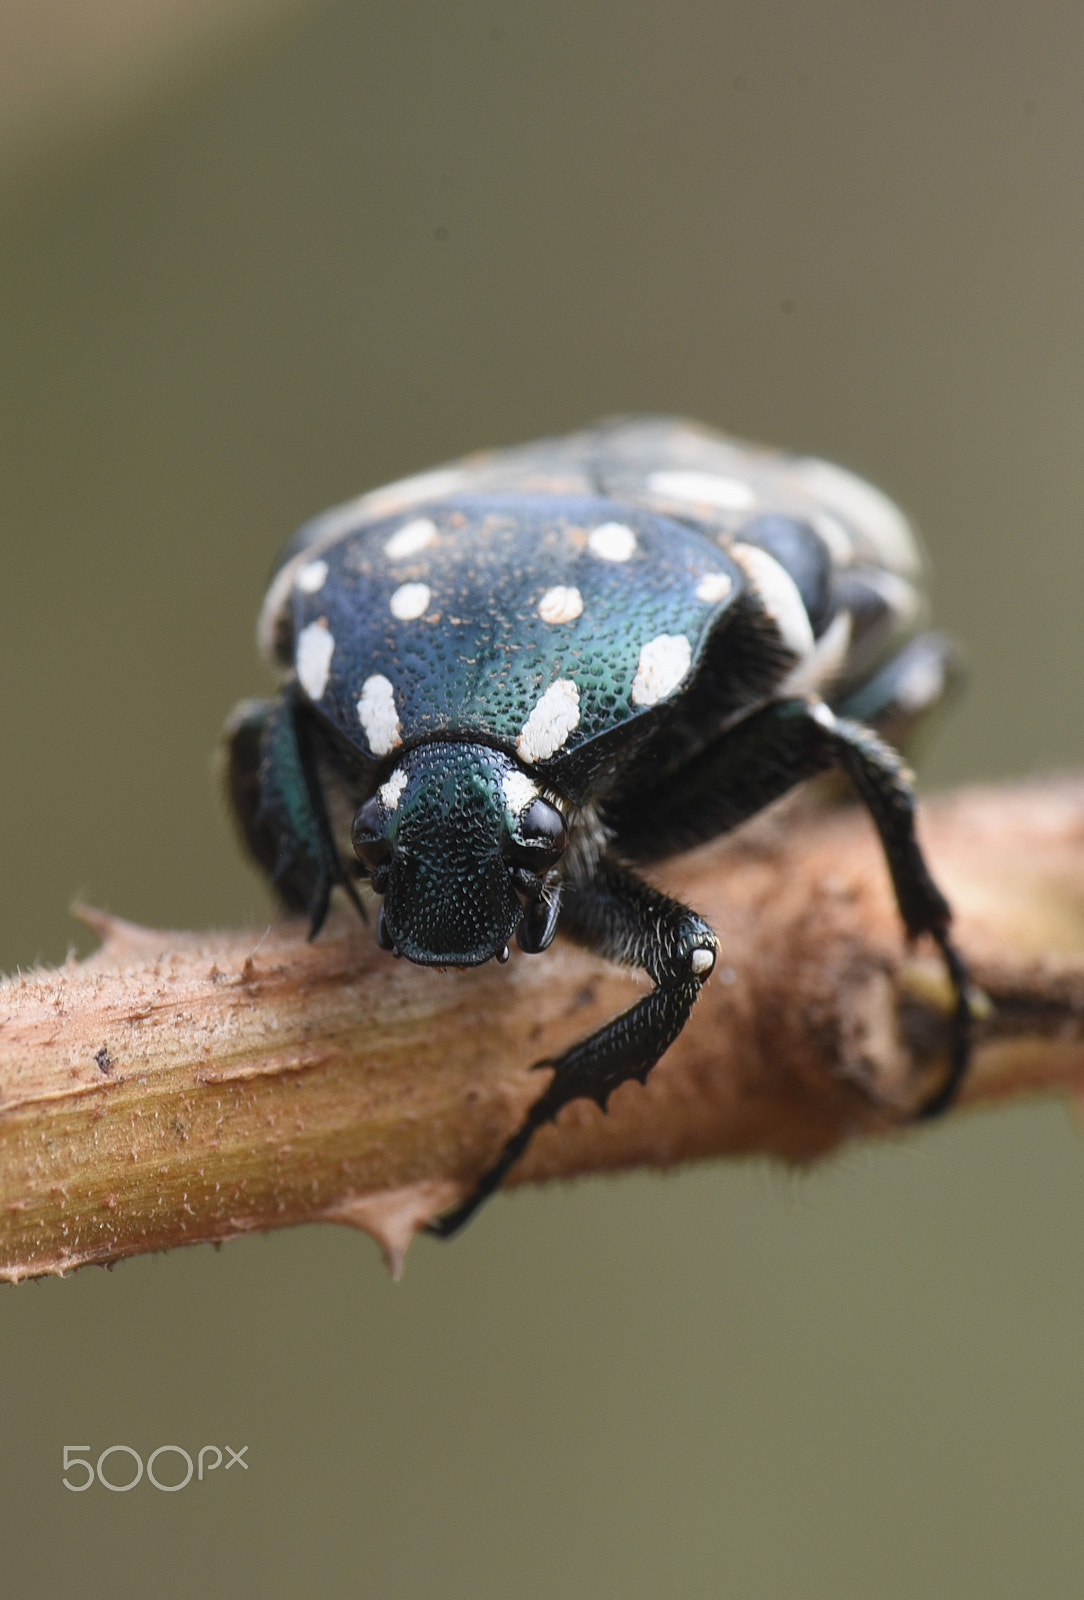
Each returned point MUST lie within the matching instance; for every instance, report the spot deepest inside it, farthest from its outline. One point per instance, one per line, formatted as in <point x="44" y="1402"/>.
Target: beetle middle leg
<point x="617" y="916"/>
<point x="761" y="760"/>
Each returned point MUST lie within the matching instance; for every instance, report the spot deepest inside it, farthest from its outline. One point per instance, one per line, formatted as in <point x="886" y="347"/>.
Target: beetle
<point x="510" y="682"/>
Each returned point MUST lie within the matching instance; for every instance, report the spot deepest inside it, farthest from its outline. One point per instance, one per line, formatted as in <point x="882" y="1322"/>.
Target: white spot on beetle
<point x="822" y="666"/>
<point x="612" y="541"/>
<point x="519" y="791"/>
<point x="703" y="489"/>
<point x="900" y="596"/>
<point x="315" y="648"/>
<point x="551" y="721"/>
<point x="713" y="587"/>
<point x="560" y="604"/>
<point x="389" y="792"/>
<point x="312" y="577"/>
<point x="701" y="962"/>
<point x="922" y="683"/>
<point x="274" y="619"/>
<point x="664" y="662"/>
<point x="411" y="538"/>
<point x="835" y="536"/>
<point x="409" y="601"/>
<point x="866" y="508"/>
<point x="377" y="714"/>
<point x="779" y="596"/>
<point x="327" y="530"/>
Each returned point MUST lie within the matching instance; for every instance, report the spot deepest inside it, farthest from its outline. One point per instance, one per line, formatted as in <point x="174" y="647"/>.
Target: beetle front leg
<point x="619" y="917"/>
<point x="270" y="776"/>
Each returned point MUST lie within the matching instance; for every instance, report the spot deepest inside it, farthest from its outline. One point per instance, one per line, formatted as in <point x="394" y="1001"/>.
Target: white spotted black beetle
<point x="512" y="680"/>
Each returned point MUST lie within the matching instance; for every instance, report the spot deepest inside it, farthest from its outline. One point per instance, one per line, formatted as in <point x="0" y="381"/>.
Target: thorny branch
<point x="179" y="1087"/>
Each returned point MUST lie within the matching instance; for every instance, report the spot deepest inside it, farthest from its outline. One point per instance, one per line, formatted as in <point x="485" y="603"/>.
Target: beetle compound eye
<point x="367" y="835"/>
<point x="542" y="827"/>
<point x="540" y="836"/>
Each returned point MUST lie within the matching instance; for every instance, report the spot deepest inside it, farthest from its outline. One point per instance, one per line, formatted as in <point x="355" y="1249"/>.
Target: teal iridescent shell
<point x="537" y="622"/>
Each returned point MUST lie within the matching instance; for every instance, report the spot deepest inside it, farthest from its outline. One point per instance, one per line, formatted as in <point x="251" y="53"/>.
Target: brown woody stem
<point x="179" y="1087"/>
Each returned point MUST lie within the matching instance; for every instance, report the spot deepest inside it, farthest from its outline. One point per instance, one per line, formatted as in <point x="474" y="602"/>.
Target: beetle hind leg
<point x="621" y="918"/>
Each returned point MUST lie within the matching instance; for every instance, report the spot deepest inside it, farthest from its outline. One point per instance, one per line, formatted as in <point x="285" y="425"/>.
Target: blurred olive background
<point x="258" y="258"/>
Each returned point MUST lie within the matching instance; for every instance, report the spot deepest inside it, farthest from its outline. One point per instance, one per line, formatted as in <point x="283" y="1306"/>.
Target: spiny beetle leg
<point x="623" y="919"/>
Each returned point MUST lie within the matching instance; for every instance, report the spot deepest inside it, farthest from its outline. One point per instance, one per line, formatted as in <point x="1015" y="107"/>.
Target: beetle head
<point x="459" y="841"/>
